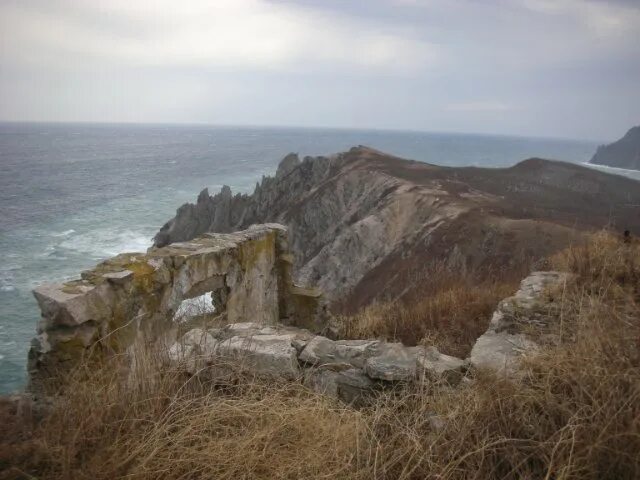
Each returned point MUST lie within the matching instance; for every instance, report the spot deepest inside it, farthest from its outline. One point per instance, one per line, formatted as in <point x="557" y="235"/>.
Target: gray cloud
<point x="531" y="67"/>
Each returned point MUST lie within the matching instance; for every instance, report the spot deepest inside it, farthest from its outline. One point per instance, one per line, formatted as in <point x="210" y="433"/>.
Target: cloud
<point x="249" y="34"/>
<point x="478" y="107"/>
<point x="543" y="67"/>
<point x="603" y="19"/>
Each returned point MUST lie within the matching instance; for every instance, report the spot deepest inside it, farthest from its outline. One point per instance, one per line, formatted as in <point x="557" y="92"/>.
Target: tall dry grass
<point x="574" y="413"/>
<point x="451" y="318"/>
<point x="168" y="425"/>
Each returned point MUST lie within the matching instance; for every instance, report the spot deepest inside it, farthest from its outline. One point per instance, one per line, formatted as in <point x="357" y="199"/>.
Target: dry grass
<point x="171" y="426"/>
<point x="450" y="318"/>
<point x="574" y="413"/>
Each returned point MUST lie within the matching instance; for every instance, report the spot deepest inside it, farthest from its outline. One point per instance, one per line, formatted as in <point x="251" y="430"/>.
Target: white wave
<point x="101" y="243"/>
<point x="192" y="307"/>
<point x="7" y="288"/>
<point x="635" y="174"/>
<point x="66" y="233"/>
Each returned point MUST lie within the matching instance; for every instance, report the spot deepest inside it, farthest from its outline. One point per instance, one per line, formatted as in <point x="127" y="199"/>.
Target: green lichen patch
<point x="74" y="287"/>
<point x="252" y="251"/>
<point x="118" y="263"/>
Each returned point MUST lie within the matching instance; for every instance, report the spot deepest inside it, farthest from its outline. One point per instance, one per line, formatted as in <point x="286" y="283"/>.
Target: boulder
<point x="321" y="351"/>
<point x="193" y="350"/>
<point x="433" y="365"/>
<point x="394" y="362"/>
<point x="517" y="324"/>
<point x="351" y="386"/>
<point x="263" y="354"/>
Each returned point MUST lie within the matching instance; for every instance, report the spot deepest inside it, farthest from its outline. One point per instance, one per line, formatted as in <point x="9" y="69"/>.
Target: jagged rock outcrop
<point x="623" y="153"/>
<point x="128" y="302"/>
<point x="366" y="225"/>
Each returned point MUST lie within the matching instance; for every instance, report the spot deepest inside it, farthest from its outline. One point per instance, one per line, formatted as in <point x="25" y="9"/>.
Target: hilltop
<point x="367" y="225"/>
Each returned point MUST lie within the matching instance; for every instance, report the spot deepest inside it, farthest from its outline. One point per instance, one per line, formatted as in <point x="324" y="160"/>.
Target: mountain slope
<point x="366" y="225"/>
<point x="624" y="153"/>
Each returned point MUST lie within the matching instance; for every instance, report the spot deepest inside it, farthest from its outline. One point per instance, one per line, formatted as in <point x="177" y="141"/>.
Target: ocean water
<point x="74" y="194"/>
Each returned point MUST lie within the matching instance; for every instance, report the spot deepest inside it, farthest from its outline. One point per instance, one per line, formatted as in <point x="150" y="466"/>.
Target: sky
<point x="554" y="68"/>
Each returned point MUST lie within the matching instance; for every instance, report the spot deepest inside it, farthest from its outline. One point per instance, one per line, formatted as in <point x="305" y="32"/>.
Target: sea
<point x="72" y="195"/>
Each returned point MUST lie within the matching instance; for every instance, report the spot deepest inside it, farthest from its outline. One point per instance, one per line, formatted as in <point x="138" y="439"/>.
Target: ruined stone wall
<point x="354" y="370"/>
<point x="127" y="303"/>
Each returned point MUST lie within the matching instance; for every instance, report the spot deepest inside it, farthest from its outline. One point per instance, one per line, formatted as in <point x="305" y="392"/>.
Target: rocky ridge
<point x="367" y="225"/>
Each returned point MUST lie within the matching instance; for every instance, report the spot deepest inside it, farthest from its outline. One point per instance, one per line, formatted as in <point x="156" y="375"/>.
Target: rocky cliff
<point x="367" y="225"/>
<point x="624" y="153"/>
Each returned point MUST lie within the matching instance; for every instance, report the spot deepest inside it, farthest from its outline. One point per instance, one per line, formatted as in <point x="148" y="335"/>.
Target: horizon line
<point x="300" y="127"/>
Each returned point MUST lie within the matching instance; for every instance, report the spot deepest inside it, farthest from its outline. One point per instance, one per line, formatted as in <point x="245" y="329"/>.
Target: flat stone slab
<point x="433" y="365"/>
<point x="321" y="351"/>
<point x="394" y="362"/>
<point x="264" y="354"/>
<point x="119" y="278"/>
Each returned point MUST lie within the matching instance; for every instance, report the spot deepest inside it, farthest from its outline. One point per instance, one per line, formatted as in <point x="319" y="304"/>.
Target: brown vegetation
<point x="573" y="414"/>
<point x="450" y="313"/>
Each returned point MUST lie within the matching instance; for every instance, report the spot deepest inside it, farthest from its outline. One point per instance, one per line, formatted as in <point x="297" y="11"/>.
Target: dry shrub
<point x="451" y="318"/>
<point x="605" y="262"/>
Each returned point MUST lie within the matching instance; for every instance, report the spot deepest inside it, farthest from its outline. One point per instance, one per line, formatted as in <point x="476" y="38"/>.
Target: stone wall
<point x="353" y="370"/>
<point x="128" y="302"/>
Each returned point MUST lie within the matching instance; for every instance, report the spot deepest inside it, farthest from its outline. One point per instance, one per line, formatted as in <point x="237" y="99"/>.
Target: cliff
<point x="624" y="153"/>
<point x="367" y="225"/>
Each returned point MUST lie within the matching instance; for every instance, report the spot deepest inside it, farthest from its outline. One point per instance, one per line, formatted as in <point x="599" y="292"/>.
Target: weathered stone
<point x="434" y="365"/>
<point x="501" y="351"/>
<point x="193" y="350"/>
<point x="515" y="323"/>
<point x="287" y="164"/>
<point x="320" y="351"/>
<point x="119" y="278"/>
<point x="128" y="302"/>
<point x="71" y="305"/>
<point x="263" y="354"/>
<point x="201" y="340"/>
<point x="395" y="362"/>
<point x="351" y="386"/>
<point x="241" y="328"/>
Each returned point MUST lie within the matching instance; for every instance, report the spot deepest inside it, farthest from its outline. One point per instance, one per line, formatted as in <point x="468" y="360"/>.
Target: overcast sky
<point x="561" y="68"/>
